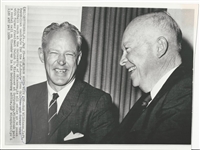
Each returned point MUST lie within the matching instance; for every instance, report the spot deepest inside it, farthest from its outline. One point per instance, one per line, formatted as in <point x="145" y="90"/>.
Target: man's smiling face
<point x="60" y="57"/>
<point x="138" y="57"/>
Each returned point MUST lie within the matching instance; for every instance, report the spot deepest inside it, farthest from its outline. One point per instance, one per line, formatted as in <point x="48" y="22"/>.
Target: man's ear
<point x="162" y="46"/>
<point x="41" y="54"/>
<point x="79" y="58"/>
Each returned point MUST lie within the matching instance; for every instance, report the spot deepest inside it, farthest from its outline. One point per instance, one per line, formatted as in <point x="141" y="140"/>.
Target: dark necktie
<point x="52" y="111"/>
<point x="120" y="135"/>
<point x="146" y="101"/>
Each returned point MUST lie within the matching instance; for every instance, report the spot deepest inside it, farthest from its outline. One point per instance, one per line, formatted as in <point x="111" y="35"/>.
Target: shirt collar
<point x="62" y="93"/>
<point x="160" y="83"/>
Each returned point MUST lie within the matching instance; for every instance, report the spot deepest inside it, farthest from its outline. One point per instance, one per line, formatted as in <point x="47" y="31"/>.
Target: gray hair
<point x="64" y="26"/>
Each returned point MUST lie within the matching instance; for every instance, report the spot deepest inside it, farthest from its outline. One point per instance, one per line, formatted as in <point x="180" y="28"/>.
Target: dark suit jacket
<point x="166" y="120"/>
<point x="85" y="110"/>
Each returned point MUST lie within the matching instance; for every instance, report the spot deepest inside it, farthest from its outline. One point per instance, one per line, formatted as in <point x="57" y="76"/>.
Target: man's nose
<point x="61" y="60"/>
<point x="123" y="60"/>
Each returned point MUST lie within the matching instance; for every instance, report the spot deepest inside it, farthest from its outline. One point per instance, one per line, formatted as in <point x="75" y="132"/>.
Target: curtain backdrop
<point x="102" y="29"/>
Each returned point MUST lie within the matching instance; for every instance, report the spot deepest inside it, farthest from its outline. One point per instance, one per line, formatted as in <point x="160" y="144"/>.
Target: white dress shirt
<point x="160" y="83"/>
<point x="62" y="94"/>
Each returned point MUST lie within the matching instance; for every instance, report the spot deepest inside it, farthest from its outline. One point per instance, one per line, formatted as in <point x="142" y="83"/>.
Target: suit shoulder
<point x="183" y="85"/>
<point x="96" y="99"/>
<point x="33" y="89"/>
<point x="94" y="95"/>
<point x="181" y="92"/>
<point x="94" y="91"/>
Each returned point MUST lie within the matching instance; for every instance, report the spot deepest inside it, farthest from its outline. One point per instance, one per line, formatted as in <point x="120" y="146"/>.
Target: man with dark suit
<point x="151" y="47"/>
<point x="65" y="109"/>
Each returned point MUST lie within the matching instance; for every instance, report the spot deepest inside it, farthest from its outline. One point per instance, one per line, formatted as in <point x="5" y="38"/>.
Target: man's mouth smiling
<point x="131" y="68"/>
<point x="60" y="71"/>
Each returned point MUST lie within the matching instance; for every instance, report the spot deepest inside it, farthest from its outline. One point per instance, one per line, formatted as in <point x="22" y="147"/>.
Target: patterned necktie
<point x="146" y="101"/>
<point x="52" y="111"/>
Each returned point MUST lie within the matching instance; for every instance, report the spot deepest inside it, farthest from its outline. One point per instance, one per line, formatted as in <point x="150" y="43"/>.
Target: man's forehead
<point x="129" y="33"/>
<point x="127" y="39"/>
<point x="60" y="33"/>
<point x="140" y="30"/>
<point x="60" y="38"/>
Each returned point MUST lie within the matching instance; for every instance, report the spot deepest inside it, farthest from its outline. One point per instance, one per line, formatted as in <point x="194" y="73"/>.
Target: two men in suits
<point x="65" y="109"/>
<point x="151" y="47"/>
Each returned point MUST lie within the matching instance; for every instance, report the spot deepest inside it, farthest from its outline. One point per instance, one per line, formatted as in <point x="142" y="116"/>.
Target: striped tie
<point x="52" y="111"/>
<point x="146" y="101"/>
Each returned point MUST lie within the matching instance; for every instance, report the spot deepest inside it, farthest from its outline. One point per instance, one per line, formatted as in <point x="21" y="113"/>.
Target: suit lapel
<point x="132" y="117"/>
<point x="174" y="77"/>
<point x="71" y="100"/>
<point x="117" y="136"/>
<point x="42" y="115"/>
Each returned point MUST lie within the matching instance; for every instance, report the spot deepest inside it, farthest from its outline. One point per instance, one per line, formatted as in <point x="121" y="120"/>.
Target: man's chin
<point x="59" y="82"/>
<point x="134" y="83"/>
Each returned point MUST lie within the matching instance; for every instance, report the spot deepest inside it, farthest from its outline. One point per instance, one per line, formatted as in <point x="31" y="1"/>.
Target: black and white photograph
<point x="114" y="75"/>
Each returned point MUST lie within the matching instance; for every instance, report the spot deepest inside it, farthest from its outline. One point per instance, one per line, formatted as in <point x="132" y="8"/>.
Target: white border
<point x="156" y="4"/>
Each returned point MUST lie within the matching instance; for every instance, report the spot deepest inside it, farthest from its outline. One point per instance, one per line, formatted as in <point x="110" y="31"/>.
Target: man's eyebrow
<point x="52" y="49"/>
<point x="66" y="51"/>
<point x="123" y="47"/>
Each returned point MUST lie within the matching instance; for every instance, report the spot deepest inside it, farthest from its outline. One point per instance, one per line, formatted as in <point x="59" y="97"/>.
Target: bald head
<point x="151" y="44"/>
<point x="154" y="25"/>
